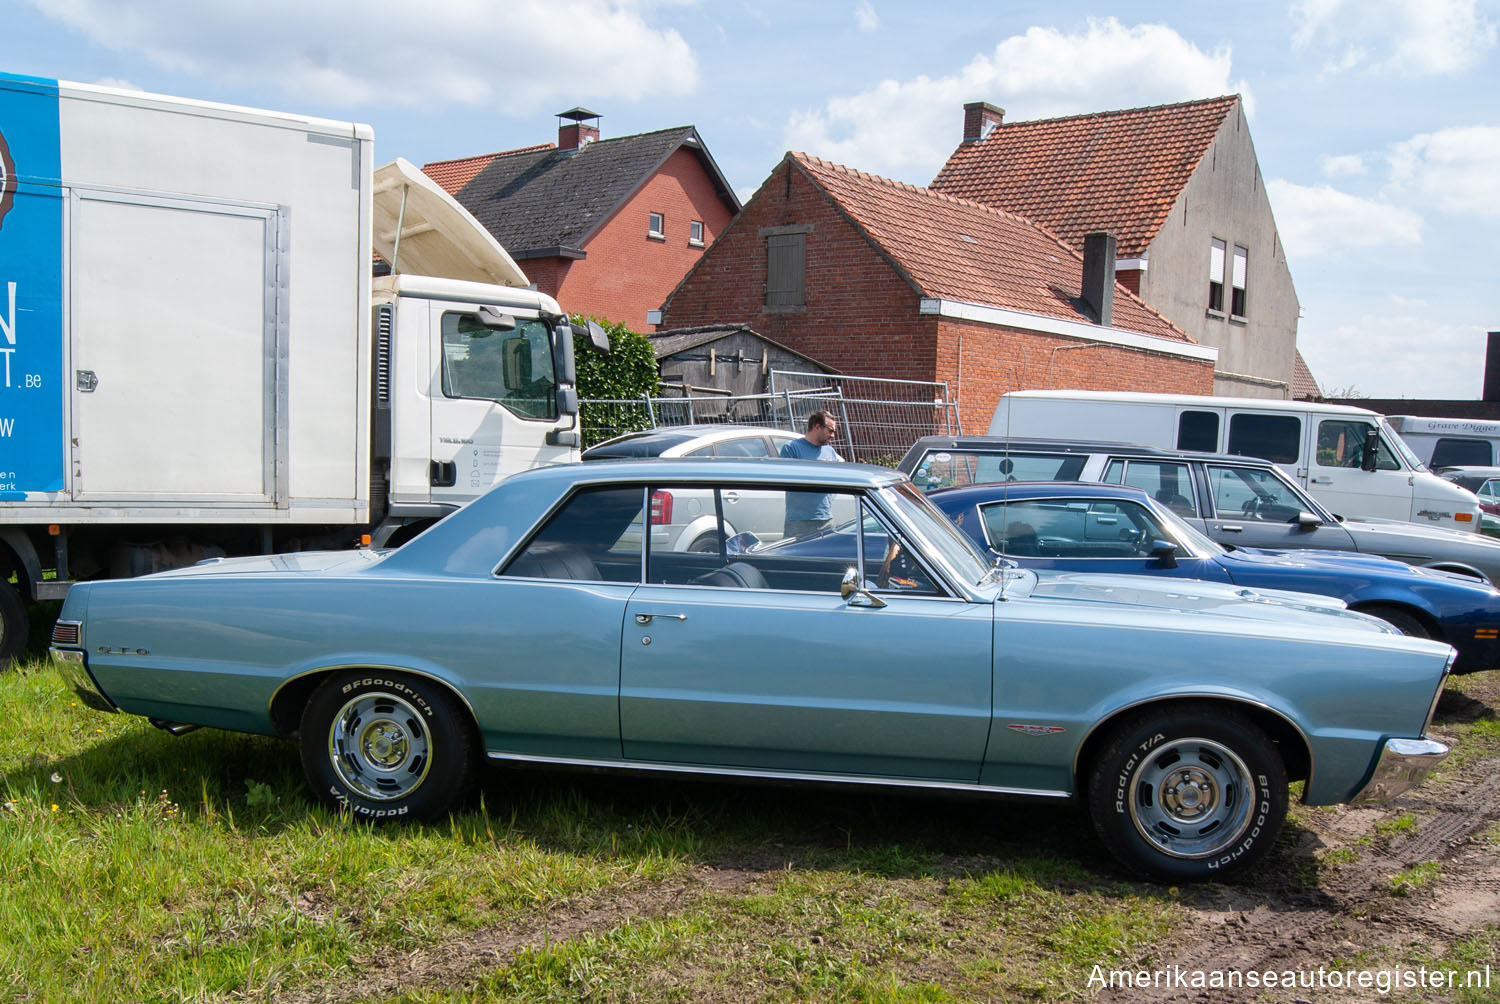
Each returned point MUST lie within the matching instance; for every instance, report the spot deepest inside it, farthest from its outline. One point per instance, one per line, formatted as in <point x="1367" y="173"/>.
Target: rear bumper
<point x="1403" y="765"/>
<point x="73" y="664"/>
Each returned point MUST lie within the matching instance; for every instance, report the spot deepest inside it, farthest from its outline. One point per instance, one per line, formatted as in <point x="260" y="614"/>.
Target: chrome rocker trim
<point x="776" y="775"/>
<point x="1403" y="764"/>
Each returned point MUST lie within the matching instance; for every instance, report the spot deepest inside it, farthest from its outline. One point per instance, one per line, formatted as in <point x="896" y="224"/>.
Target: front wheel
<point x="386" y="745"/>
<point x="1188" y="794"/>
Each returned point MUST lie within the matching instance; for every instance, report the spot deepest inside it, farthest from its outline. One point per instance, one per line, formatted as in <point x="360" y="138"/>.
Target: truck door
<point x="174" y="351"/>
<point x="493" y="400"/>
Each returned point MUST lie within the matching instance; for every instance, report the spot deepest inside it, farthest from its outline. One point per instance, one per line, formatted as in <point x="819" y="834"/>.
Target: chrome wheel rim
<point x="1192" y="798"/>
<point x="379" y="747"/>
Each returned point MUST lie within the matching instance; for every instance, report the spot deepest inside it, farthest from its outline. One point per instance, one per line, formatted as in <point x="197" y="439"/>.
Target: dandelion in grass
<point x="56" y="778"/>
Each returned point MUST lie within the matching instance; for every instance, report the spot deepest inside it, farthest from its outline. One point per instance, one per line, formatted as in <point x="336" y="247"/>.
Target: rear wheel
<point x="14" y="624"/>
<point x="1399" y="619"/>
<point x="385" y="745"/>
<point x="1190" y="793"/>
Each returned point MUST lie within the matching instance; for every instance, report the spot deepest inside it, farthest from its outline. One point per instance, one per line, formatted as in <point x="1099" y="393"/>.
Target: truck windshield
<point x="512" y="368"/>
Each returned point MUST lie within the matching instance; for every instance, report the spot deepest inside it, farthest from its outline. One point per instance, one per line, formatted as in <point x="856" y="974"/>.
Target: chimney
<point x="980" y="119"/>
<point x="573" y="133"/>
<point x="1492" y="367"/>
<point x="1099" y="275"/>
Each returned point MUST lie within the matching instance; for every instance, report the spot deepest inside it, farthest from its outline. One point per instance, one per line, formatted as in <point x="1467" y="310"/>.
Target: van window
<point x="1462" y="453"/>
<point x="1198" y="430"/>
<point x="1276" y="438"/>
<point x="1341" y="443"/>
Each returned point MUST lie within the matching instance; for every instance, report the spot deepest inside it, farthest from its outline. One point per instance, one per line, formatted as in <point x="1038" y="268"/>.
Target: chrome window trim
<point x="774" y="775"/>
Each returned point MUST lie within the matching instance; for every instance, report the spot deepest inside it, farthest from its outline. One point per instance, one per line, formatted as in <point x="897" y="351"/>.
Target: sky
<point x="1375" y="122"/>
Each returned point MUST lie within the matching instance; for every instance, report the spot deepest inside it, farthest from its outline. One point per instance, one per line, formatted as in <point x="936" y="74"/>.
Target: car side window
<point x="595" y="537"/>
<point x="1489" y="492"/>
<point x="752" y="446"/>
<point x="702" y="451"/>
<point x="1170" y="484"/>
<point x="1071" y="528"/>
<point x="1247" y="493"/>
<point x="1341" y="443"/>
<point x="948" y="468"/>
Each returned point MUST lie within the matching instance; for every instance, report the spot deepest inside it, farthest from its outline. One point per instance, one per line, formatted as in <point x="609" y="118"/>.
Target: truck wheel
<point x="385" y="745"/>
<point x="14" y="625"/>
<point x="1188" y="794"/>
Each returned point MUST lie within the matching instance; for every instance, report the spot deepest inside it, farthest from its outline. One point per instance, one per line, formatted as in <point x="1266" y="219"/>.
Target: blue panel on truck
<point x="31" y="335"/>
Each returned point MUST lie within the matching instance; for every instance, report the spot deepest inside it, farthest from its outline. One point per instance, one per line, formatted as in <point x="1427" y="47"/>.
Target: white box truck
<point x="1449" y="442"/>
<point x="1347" y="458"/>
<point x="195" y="359"/>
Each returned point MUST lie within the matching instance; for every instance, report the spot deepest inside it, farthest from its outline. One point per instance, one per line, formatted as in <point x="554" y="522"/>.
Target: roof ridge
<point x="945" y="197"/>
<point x="1124" y="111"/>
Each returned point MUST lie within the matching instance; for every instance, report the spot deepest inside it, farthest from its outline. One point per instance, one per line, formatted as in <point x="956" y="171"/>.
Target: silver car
<point x="685" y="519"/>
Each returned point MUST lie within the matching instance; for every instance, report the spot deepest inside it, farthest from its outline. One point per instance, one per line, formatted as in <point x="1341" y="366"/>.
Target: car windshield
<point x="1390" y="438"/>
<point x="936" y="532"/>
<point x="1186" y="533"/>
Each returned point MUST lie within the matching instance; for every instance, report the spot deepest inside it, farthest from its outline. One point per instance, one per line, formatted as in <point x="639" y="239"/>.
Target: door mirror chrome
<point x="1164" y="551"/>
<point x="856" y="594"/>
<point x="1307" y="521"/>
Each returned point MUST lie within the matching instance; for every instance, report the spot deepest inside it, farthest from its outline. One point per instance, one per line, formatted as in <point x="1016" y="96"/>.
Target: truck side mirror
<point x="562" y="354"/>
<point x="597" y="336"/>
<point x="1372" y="445"/>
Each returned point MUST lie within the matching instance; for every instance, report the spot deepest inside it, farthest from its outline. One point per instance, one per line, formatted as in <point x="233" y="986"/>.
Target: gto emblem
<point x="107" y="650"/>
<point x="1036" y="730"/>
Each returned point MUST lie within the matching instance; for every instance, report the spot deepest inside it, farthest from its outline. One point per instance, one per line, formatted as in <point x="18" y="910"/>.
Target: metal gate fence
<point x="878" y="419"/>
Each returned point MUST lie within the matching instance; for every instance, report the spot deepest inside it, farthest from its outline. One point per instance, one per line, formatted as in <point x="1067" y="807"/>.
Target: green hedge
<point x="625" y="373"/>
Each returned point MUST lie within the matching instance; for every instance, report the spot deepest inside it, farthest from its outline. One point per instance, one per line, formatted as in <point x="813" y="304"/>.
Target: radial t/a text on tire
<point x="1193" y="792"/>
<point x="380" y="744"/>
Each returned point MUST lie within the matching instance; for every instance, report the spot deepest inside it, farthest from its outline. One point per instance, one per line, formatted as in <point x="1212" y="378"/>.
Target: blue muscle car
<point x="540" y="624"/>
<point x="1113" y="528"/>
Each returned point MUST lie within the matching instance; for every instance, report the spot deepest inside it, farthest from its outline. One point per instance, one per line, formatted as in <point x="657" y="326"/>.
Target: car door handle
<point x="731" y="496"/>
<point x="1322" y="481"/>
<point x="1231" y="528"/>
<point x="647" y="618"/>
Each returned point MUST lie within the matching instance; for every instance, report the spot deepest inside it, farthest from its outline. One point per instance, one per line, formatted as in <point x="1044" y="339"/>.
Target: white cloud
<point x="1395" y="352"/>
<point x="865" y="16"/>
<point x="1313" y="220"/>
<point x="1413" y="37"/>
<point x="908" y="128"/>
<point x="1453" y="170"/>
<point x="517" y="56"/>
<point x="1345" y="165"/>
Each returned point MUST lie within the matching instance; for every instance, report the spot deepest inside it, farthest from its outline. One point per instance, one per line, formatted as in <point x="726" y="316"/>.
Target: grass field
<point x="137" y="866"/>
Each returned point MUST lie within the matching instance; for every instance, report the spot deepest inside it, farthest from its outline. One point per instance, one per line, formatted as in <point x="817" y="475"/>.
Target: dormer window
<point x="656" y="227"/>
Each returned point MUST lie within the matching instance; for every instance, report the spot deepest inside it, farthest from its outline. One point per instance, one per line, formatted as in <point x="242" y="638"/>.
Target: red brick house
<point x="606" y="227"/>
<point x="879" y="278"/>
<point x="1180" y="188"/>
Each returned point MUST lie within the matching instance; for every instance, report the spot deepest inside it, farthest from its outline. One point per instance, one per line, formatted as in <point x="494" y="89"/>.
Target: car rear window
<point x="950" y="468"/>
<point x="652" y="445"/>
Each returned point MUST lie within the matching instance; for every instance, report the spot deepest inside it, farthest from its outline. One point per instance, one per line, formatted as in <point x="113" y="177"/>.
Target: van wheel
<point x="14" y="625"/>
<point x="1188" y="794"/>
<point x="1399" y="619"/>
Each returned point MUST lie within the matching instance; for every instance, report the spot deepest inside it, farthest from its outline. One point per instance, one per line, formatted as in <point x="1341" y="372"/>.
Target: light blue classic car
<point x="537" y="624"/>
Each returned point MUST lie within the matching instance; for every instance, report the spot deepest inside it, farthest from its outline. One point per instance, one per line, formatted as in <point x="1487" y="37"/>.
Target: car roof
<point x="653" y="442"/>
<point x="995" y="491"/>
<point x="999" y="444"/>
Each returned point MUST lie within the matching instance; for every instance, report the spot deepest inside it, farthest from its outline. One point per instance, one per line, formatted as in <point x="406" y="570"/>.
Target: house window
<point x="1237" y="294"/>
<point x="785" y="266"/>
<point x="657" y="227"/>
<point x="1216" y="276"/>
<point x="695" y="233"/>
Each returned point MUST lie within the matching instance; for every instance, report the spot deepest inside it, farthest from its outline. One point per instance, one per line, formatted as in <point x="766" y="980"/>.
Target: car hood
<point x="303" y="561"/>
<point x="1396" y="529"/>
<point x="1194" y="596"/>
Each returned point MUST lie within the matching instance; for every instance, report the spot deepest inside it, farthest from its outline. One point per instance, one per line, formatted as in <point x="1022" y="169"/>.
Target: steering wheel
<point x="1251" y="506"/>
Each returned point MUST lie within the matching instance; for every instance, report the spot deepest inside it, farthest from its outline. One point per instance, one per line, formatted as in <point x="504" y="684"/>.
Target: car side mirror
<point x="1164" y="551"/>
<point x="1307" y="521"/>
<point x="856" y="594"/>
<point x="1372" y="445"/>
<point x="741" y="543"/>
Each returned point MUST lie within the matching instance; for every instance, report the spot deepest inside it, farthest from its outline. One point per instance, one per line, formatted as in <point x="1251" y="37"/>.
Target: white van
<point x="1450" y="442"/>
<point x="1348" y="458"/>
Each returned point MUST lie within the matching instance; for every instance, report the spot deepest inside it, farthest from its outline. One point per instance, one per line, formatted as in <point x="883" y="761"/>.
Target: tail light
<point x="661" y="508"/>
<point x="66" y="632"/>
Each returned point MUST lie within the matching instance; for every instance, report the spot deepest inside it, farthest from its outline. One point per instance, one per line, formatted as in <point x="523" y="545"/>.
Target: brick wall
<point x="997" y="360"/>
<point x="860" y="316"/>
<point x="627" y="273"/>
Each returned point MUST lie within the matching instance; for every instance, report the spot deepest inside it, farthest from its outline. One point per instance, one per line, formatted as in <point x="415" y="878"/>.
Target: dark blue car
<point x="1111" y="528"/>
